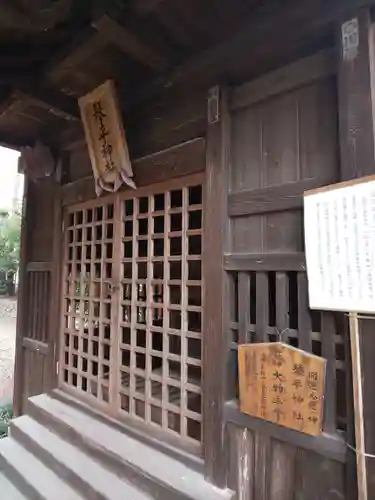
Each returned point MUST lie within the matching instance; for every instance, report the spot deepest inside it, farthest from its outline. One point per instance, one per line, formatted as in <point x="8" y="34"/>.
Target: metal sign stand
<point x="358" y="406"/>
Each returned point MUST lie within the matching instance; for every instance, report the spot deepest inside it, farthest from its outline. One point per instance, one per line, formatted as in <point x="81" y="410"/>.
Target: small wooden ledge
<point x="332" y="446"/>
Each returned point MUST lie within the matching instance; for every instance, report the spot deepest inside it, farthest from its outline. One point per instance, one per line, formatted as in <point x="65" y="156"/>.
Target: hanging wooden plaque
<point x="283" y="385"/>
<point x="105" y="137"/>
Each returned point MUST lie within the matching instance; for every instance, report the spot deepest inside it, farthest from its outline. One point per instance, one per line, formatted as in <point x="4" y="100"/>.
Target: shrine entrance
<point x="132" y="307"/>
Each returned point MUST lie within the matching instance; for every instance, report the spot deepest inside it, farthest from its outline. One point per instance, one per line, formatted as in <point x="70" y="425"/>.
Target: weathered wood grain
<point x="265" y="261"/>
<point x="216" y="313"/>
<point x="318" y="477"/>
<point x="331" y="446"/>
<point x="179" y="161"/>
<point x="288" y="196"/>
<point x="304" y="71"/>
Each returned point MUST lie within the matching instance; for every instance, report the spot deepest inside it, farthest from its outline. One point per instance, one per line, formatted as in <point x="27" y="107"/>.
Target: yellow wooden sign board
<point x="105" y="137"/>
<point x="283" y="385"/>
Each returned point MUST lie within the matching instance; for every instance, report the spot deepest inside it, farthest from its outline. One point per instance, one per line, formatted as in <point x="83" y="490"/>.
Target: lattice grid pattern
<point x="273" y="306"/>
<point x="87" y="299"/>
<point x="132" y="307"/>
<point x="38" y="287"/>
<point x="161" y="310"/>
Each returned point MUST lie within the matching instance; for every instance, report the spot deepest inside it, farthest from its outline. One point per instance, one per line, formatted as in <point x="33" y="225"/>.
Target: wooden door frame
<point x="116" y="199"/>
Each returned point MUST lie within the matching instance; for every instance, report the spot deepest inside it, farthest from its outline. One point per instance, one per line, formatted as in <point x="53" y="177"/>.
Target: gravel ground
<point x="8" y="313"/>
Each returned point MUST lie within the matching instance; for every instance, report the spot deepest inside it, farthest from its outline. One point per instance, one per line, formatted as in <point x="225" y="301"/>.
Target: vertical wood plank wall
<point x="283" y="141"/>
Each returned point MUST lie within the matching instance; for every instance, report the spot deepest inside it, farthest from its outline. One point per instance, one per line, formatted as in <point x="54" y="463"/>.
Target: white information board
<point x="340" y="246"/>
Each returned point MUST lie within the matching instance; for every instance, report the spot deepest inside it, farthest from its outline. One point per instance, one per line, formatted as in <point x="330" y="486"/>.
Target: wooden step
<point x="157" y="473"/>
<point x="8" y="491"/>
<point x="72" y="465"/>
<point x="30" y="476"/>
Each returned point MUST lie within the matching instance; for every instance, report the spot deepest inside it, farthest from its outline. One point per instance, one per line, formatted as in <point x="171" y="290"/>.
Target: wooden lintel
<point x="183" y="160"/>
<point x="130" y="44"/>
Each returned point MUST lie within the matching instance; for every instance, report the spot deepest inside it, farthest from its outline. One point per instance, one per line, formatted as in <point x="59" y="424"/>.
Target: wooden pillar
<point x="56" y="289"/>
<point x="356" y="96"/>
<point x="216" y="314"/>
<point x="356" y="127"/>
<point x="22" y="303"/>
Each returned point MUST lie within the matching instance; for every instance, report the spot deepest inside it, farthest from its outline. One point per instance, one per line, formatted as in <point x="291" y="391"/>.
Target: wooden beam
<point x="82" y="46"/>
<point x="8" y="103"/>
<point x="53" y="101"/>
<point x="294" y="261"/>
<point x="328" y="445"/>
<point x="146" y="6"/>
<point x="59" y="104"/>
<point x="263" y="35"/>
<point x="26" y="89"/>
<point x="14" y="142"/>
<point x="80" y="49"/>
<point x="302" y="72"/>
<point x="288" y="196"/>
<point x="179" y="161"/>
<point x="267" y="33"/>
<point x="130" y="43"/>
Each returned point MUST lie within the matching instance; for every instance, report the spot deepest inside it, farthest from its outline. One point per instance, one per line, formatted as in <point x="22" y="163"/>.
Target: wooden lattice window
<point x="273" y="306"/>
<point x="38" y="283"/>
<point x="87" y="306"/>
<point x="161" y="310"/>
<point x="132" y="314"/>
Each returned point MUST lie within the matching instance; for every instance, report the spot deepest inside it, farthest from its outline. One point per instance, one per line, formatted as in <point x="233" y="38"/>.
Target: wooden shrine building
<point x="132" y="304"/>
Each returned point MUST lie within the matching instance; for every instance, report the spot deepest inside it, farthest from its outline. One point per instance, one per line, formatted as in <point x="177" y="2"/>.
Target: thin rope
<point x="361" y="316"/>
<point x="367" y="455"/>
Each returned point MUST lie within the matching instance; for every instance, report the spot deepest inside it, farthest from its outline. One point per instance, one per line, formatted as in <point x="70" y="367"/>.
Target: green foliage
<point x="5" y="418"/>
<point x="10" y="231"/>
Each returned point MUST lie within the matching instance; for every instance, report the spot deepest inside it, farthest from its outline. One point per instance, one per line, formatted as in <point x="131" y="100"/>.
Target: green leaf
<point x="10" y="231"/>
